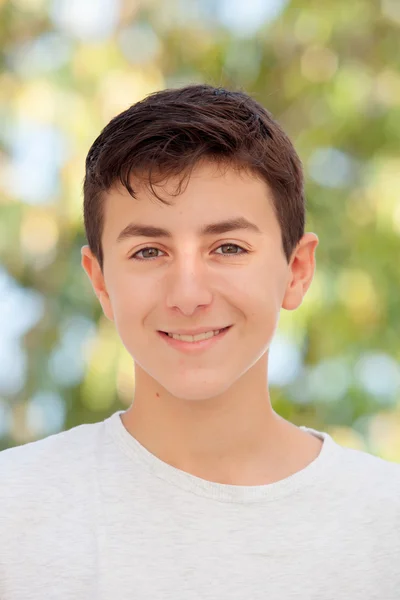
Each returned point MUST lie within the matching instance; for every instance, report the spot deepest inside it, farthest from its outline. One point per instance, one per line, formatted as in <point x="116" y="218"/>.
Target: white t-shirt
<point x="90" y="514"/>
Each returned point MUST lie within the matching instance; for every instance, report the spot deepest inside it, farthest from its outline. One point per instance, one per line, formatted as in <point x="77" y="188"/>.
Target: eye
<point x="150" y="253"/>
<point x="231" y="250"/>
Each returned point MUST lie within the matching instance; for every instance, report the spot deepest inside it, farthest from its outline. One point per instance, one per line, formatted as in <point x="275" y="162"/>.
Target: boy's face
<point x="192" y="280"/>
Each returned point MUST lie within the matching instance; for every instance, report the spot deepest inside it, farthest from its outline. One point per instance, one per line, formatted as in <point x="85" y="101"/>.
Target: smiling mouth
<point x="195" y="338"/>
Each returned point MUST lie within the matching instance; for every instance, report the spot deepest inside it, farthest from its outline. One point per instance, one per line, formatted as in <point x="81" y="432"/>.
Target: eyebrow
<point x="137" y="230"/>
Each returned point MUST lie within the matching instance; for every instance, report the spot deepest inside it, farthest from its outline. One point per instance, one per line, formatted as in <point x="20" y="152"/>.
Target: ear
<point x="301" y="271"/>
<point x="93" y="271"/>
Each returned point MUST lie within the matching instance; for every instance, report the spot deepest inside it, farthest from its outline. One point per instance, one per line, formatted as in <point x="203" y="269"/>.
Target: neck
<point x="232" y="438"/>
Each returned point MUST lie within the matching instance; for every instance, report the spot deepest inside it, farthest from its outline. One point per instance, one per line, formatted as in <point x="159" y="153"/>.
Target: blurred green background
<point x="328" y="71"/>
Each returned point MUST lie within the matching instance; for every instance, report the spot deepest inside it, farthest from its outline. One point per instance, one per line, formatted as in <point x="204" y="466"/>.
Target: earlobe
<point x="92" y="268"/>
<point x="293" y="296"/>
<point x="302" y="269"/>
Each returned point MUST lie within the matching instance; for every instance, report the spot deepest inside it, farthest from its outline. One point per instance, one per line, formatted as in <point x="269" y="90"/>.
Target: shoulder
<point x="369" y="483"/>
<point x="46" y="469"/>
<point x="357" y="469"/>
<point x="53" y="448"/>
<point x="48" y="495"/>
<point x="368" y="469"/>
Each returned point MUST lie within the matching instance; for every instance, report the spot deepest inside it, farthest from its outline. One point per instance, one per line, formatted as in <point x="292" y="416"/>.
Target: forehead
<point x="209" y="195"/>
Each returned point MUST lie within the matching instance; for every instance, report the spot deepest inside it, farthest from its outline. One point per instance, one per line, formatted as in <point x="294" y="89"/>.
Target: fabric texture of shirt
<point x="90" y="513"/>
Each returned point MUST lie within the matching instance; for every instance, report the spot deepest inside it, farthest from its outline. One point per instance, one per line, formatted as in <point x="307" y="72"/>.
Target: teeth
<point x="194" y="338"/>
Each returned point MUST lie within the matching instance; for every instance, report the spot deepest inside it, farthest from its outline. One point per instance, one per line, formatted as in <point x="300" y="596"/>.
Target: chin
<point x="197" y="390"/>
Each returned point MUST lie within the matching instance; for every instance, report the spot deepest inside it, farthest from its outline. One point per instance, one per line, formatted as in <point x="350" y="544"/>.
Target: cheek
<point x="257" y="291"/>
<point x="132" y="300"/>
<point x="258" y="310"/>
<point x="132" y="305"/>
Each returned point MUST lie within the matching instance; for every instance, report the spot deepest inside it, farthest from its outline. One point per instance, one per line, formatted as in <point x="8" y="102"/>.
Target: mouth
<point x="199" y="337"/>
<point x="200" y="341"/>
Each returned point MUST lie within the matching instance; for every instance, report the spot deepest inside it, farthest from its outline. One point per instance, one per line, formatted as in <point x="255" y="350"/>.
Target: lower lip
<point x="194" y="346"/>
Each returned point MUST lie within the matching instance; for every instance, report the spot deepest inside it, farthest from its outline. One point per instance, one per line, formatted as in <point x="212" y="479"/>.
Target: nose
<point x="188" y="286"/>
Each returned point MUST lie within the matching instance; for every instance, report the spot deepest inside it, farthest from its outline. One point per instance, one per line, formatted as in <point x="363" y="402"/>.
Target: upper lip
<point x="196" y="331"/>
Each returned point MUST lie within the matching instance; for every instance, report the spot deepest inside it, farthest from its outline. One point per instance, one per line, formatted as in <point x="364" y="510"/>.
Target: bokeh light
<point x="329" y="74"/>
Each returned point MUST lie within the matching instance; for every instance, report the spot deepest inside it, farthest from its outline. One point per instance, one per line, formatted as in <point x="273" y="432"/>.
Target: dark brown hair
<point x="172" y="130"/>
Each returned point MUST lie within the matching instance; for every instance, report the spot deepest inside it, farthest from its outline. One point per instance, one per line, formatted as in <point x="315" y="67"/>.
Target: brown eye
<point x="147" y="253"/>
<point x="231" y="249"/>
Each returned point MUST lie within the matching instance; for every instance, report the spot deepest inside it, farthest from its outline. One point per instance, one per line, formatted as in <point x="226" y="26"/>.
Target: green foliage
<point x="330" y="74"/>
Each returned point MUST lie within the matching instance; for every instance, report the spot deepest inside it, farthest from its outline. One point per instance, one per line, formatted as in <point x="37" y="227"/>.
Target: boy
<point x="194" y="215"/>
